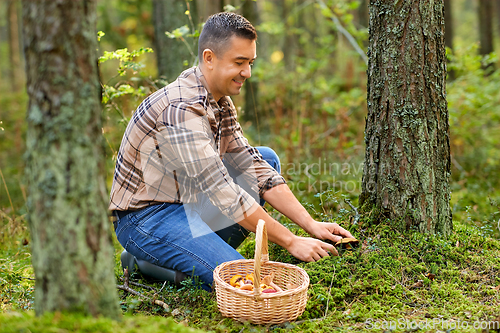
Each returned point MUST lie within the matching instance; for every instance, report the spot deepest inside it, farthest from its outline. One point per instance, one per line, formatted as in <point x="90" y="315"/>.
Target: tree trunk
<point x="210" y="7"/>
<point x="172" y="55"/>
<point x="249" y="11"/>
<point x="15" y="73"/>
<point x="72" y="254"/>
<point x="407" y="158"/>
<point x="485" y="18"/>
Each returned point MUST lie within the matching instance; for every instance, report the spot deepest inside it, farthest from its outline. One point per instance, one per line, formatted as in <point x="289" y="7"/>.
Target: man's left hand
<point x="328" y="231"/>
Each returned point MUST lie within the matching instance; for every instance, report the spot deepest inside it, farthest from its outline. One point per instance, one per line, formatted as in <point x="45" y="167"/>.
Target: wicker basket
<point x="257" y="307"/>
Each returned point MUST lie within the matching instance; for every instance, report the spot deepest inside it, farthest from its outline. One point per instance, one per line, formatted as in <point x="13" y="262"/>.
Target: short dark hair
<point x="219" y="29"/>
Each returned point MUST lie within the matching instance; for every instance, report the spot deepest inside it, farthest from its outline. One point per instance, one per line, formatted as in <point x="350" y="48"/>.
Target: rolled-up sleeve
<point x="247" y="159"/>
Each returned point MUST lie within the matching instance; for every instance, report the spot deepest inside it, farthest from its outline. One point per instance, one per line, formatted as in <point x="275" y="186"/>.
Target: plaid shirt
<point x="173" y="147"/>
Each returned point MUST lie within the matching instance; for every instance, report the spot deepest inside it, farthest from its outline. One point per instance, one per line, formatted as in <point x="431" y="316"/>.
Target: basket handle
<point x="261" y="255"/>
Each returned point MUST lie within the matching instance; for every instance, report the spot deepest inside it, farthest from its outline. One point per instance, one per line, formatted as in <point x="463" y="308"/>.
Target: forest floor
<point x="395" y="281"/>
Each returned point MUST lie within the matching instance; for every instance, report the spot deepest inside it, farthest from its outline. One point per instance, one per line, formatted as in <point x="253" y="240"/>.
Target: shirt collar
<point x="223" y="103"/>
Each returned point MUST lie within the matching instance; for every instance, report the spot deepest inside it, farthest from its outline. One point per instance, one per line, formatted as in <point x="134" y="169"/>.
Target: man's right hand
<point x="303" y="248"/>
<point x="310" y="249"/>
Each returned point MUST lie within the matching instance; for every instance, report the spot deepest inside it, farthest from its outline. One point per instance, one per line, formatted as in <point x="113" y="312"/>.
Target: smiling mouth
<point x="239" y="82"/>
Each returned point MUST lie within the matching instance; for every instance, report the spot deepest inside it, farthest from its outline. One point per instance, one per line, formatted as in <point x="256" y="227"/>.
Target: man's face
<point x="229" y="70"/>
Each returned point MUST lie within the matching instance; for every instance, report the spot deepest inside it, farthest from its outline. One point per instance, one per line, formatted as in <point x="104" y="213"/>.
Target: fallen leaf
<point x="176" y="312"/>
<point x="431" y="276"/>
<point x="419" y="284"/>
<point x="57" y="317"/>
<point x="346" y="312"/>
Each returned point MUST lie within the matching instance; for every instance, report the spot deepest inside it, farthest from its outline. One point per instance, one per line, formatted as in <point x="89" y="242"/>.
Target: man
<point x="186" y="180"/>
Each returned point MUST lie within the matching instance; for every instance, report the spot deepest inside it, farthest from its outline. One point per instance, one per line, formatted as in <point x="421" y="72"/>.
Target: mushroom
<point x="347" y="243"/>
<point x="235" y="280"/>
<point x="247" y="287"/>
<point x="269" y="290"/>
<point x="249" y="277"/>
<point x="268" y="279"/>
<point x="264" y="286"/>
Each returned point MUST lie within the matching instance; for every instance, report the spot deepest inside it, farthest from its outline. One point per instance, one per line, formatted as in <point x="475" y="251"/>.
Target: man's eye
<point x="239" y="63"/>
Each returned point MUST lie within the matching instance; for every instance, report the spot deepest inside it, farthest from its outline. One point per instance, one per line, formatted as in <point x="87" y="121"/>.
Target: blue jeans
<point x="191" y="238"/>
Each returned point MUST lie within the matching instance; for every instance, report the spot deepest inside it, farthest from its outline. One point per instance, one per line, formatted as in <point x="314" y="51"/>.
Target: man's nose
<point x="247" y="72"/>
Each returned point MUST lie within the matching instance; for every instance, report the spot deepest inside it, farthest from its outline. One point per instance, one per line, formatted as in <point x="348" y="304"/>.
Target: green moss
<point x="62" y="322"/>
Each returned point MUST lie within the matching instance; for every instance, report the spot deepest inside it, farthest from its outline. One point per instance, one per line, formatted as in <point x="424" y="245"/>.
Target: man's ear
<point x="208" y="58"/>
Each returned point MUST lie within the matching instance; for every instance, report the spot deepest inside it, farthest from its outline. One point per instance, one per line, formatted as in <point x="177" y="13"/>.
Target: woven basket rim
<point x="223" y="284"/>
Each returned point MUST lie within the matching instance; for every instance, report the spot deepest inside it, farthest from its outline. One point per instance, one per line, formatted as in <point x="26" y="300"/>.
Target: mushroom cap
<point x="235" y="279"/>
<point x="347" y="243"/>
<point x="269" y="290"/>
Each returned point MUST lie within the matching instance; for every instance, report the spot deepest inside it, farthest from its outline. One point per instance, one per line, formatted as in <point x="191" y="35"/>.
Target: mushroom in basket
<point x="247" y="283"/>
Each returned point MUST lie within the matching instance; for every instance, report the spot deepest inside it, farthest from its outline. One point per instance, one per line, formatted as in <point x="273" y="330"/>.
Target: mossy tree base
<point x="407" y="158"/>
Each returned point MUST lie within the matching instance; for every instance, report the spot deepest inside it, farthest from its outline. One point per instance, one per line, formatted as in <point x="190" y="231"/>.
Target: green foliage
<point x="311" y="92"/>
<point x="122" y="90"/>
<point x="178" y="33"/>
<point x="100" y="34"/>
<point x="189" y="37"/>
<point x="16" y="273"/>
<point x="12" y="142"/>
<point x="126" y="59"/>
<point x="133" y="83"/>
<point x="126" y="23"/>
<point x="474" y="107"/>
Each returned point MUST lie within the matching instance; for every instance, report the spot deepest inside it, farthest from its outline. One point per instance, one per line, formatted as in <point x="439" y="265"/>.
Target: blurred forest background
<point x="306" y="98"/>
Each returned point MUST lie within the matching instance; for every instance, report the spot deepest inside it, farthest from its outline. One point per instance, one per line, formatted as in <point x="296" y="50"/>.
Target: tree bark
<point x="485" y="19"/>
<point x="72" y="252"/>
<point x="172" y="55"/>
<point x="15" y="73"/>
<point x="407" y="158"/>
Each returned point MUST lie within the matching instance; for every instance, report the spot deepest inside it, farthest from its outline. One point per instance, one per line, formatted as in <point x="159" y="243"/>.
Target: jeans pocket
<point x="134" y="248"/>
<point x="143" y="215"/>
